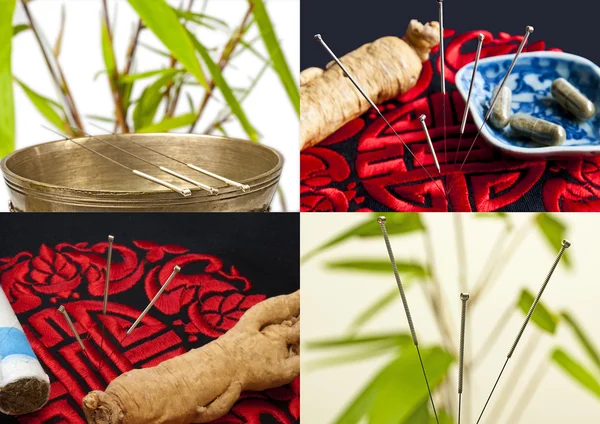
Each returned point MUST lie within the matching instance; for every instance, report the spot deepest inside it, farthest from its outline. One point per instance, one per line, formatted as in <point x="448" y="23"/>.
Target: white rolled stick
<point x="24" y="385"/>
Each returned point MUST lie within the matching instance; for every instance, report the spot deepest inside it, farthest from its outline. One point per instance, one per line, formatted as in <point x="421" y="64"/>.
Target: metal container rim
<point x="18" y="180"/>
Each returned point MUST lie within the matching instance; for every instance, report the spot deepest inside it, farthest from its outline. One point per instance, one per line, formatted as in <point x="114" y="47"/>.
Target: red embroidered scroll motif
<point x="205" y="300"/>
<point x="364" y="167"/>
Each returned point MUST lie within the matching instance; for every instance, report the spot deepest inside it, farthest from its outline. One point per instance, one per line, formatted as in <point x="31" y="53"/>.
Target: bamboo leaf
<point x="232" y="101"/>
<point x="280" y="64"/>
<point x="401" y="380"/>
<point x="135" y="77"/>
<point x="170" y="124"/>
<point x="542" y="316"/>
<point x="155" y="50"/>
<point x="7" y="117"/>
<point x="101" y="118"/>
<point x="59" y="38"/>
<point x="412" y="269"/>
<point x="576" y="371"/>
<point x="17" y="29"/>
<point x="374" y="309"/>
<point x="407" y="385"/>
<point x="397" y="224"/>
<point x="554" y="231"/>
<point x="45" y="106"/>
<point x="147" y="105"/>
<point x="107" y="52"/>
<point x="200" y="18"/>
<point x="352" y="341"/>
<point x="585" y="341"/>
<point x="163" y="22"/>
<point x="356" y="355"/>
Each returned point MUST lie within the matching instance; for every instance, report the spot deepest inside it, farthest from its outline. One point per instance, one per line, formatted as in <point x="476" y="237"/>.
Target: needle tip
<point x="530" y="29"/>
<point x="381" y="220"/>
<point x="566" y="244"/>
<point x="214" y="191"/>
<point x="61" y="308"/>
<point x="422" y="118"/>
<point x="111" y="239"/>
<point x="186" y="192"/>
<point x="481" y="37"/>
<point x="464" y="296"/>
<point x="245" y="188"/>
<point x="318" y="37"/>
<point x="177" y="268"/>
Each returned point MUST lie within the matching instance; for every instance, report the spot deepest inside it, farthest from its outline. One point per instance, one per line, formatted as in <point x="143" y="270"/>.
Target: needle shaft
<point x="528" y="32"/>
<point x="153" y="301"/>
<point x="374" y="106"/>
<point x="64" y="312"/>
<point x="108" y="262"/>
<point x="464" y="297"/>
<point x="565" y="245"/>
<point x="243" y="187"/>
<point x="382" y="221"/>
<point x="468" y="102"/>
<point x="183" y="191"/>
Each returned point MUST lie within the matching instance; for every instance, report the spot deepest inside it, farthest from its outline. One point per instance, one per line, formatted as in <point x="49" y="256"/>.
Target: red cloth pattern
<point x="364" y="167"/>
<point x="199" y="305"/>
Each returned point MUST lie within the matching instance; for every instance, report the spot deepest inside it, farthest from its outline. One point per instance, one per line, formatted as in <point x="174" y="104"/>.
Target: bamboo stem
<point x="529" y="392"/>
<point x="502" y="259"/>
<point x="223" y="62"/>
<point x="493" y="336"/>
<point x="515" y="376"/>
<point x="114" y="78"/>
<point x="57" y="76"/>
<point x="132" y="47"/>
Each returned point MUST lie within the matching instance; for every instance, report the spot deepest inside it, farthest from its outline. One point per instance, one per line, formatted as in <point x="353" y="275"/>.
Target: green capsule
<point x="573" y="100"/>
<point x="538" y="130"/>
<point x="500" y="116"/>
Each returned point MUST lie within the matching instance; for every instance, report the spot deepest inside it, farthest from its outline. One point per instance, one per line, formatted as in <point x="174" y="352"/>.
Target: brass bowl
<point x="61" y="176"/>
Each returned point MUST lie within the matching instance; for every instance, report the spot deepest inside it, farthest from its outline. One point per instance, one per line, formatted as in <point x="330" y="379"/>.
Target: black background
<point x="263" y="247"/>
<point x="347" y="24"/>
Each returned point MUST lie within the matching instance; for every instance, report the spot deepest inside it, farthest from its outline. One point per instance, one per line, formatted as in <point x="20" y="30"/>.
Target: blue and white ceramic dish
<point x="530" y="82"/>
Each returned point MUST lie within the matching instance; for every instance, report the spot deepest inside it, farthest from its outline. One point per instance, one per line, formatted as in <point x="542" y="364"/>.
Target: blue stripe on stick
<point x="14" y="342"/>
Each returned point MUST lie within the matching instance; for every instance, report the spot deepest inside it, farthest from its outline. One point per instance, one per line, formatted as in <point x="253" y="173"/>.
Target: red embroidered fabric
<point x="205" y="300"/>
<point x="364" y="167"/>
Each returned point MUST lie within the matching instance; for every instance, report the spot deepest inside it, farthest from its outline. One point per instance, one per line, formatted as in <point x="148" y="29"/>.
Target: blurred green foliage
<point x="397" y="394"/>
<point x="190" y="64"/>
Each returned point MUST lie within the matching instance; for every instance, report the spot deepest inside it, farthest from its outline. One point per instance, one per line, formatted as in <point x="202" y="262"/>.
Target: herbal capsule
<point x="573" y="100"/>
<point x="538" y="130"/>
<point x="500" y="116"/>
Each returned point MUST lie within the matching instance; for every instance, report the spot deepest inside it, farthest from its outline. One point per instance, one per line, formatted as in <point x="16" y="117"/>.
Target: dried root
<point x="385" y="68"/>
<point x="259" y="353"/>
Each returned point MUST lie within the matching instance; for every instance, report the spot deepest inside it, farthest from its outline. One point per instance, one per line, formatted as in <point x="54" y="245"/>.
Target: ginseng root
<point x="259" y="353"/>
<point x="385" y="69"/>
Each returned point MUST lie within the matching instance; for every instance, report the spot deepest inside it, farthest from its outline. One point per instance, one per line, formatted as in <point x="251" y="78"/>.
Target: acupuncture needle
<point x="468" y="102"/>
<point x="153" y="301"/>
<point x="422" y="118"/>
<point x="464" y="297"/>
<point x="243" y="187"/>
<point x="565" y="245"/>
<point x="382" y="220"/>
<point x="211" y="190"/>
<point x="443" y="75"/>
<point x="183" y="191"/>
<point x="64" y="312"/>
<point x="319" y="38"/>
<point x="528" y="31"/>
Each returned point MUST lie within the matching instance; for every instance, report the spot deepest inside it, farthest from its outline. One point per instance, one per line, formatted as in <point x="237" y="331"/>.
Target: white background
<point x="268" y="107"/>
<point x="330" y="300"/>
